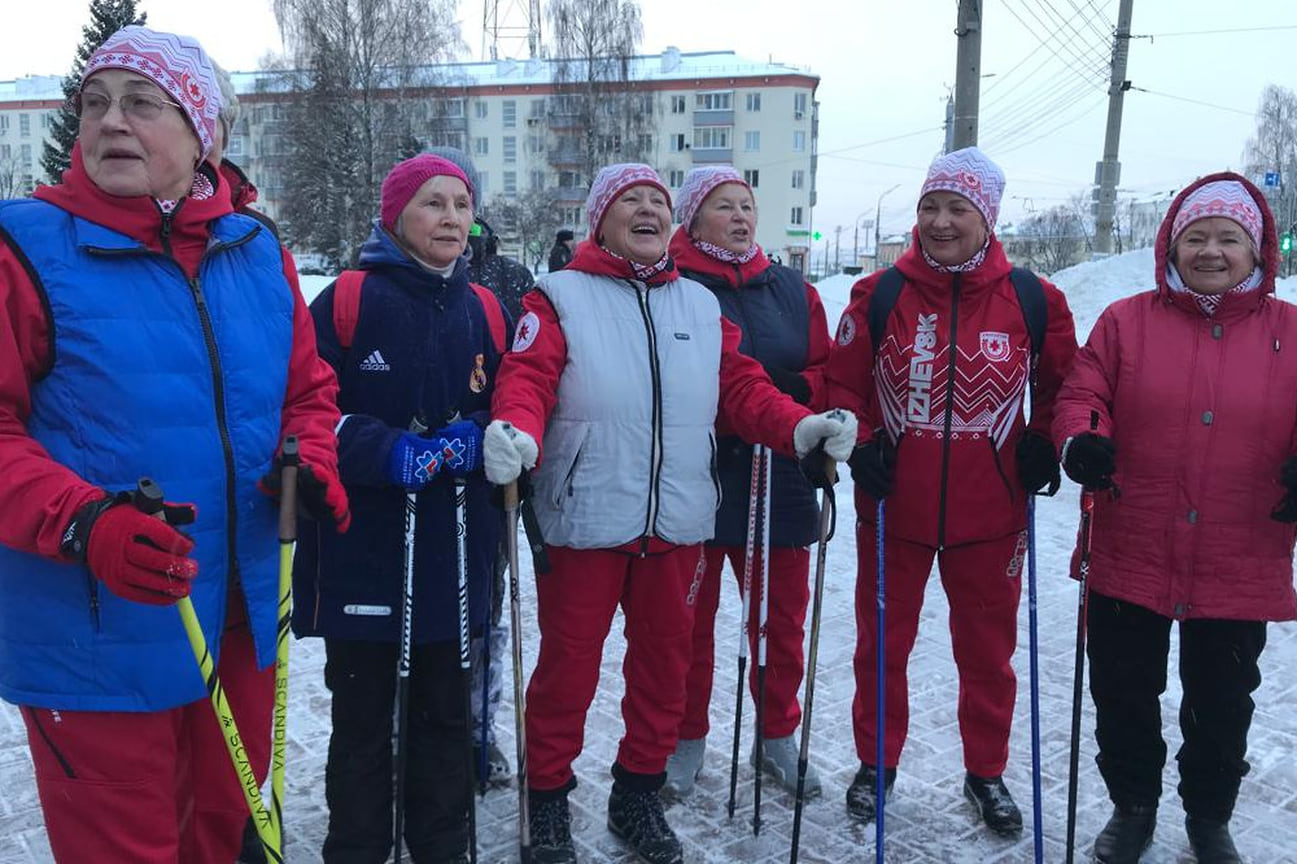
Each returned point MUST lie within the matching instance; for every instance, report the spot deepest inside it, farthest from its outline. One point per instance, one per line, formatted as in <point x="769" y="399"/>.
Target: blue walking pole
<point x="880" y="792"/>
<point x="1036" y="818"/>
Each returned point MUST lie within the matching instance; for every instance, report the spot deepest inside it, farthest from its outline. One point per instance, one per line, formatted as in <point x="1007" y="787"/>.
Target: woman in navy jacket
<point x="422" y="348"/>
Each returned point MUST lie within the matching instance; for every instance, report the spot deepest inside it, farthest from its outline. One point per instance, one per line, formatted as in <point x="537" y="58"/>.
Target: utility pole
<point x="968" y="74"/>
<point x="837" y="249"/>
<point x="1107" y="173"/>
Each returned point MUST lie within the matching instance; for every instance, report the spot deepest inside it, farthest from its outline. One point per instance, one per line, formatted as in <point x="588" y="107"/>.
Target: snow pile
<point x="313" y="285"/>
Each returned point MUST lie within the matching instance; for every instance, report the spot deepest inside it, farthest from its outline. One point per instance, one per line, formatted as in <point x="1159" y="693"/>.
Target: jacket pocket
<point x="567" y="488"/>
<point x="715" y="470"/>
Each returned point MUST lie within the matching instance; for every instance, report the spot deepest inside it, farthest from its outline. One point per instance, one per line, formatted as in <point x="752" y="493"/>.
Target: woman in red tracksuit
<point x="621" y="369"/>
<point x="784" y="329"/>
<point x="1192" y="388"/>
<point x="950" y="451"/>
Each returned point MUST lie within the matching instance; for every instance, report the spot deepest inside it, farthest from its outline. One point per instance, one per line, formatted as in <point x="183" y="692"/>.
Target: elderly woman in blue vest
<point x="784" y="329"/>
<point x="621" y="368"/>
<point x="145" y="329"/>
<point x="420" y="348"/>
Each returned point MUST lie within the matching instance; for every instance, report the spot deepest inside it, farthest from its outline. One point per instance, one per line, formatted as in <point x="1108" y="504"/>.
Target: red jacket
<point x="956" y="474"/>
<point x="1203" y="415"/>
<point x="38" y="496"/>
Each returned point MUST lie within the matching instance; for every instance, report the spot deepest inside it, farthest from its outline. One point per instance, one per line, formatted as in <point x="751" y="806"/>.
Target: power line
<point x="1214" y="32"/>
<point x="1194" y="101"/>
<point x="1093" y="52"/>
<point x="1089" y="109"/>
<point x="1091" y="57"/>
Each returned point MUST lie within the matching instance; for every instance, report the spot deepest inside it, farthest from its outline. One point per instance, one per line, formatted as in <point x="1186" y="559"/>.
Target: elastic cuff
<point x="632" y="782"/>
<point x="540" y="795"/>
<point x="76" y="536"/>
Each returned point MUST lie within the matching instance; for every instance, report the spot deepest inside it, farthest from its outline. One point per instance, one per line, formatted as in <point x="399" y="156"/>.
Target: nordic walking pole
<point x="763" y="618"/>
<point x="828" y="515"/>
<point x="403" y="661"/>
<point x="1036" y="816"/>
<point x="1082" y="608"/>
<point x="880" y="707"/>
<point x="290" y="459"/>
<point x="485" y="664"/>
<point x="465" y="671"/>
<point x="148" y="499"/>
<point x="519" y="697"/>
<point x="754" y="487"/>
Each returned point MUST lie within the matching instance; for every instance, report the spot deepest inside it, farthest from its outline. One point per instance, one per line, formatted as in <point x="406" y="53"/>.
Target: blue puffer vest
<point x="422" y="345"/>
<point x="152" y="376"/>
<point x="771" y="311"/>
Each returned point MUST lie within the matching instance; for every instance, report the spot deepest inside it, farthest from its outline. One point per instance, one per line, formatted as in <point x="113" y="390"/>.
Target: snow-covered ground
<point x="928" y="820"/>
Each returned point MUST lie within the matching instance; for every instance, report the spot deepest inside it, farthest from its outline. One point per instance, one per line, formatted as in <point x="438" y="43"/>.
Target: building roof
<point x="32" y="88"/>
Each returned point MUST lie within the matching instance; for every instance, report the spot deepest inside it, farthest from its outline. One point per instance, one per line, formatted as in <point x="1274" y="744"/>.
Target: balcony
<point x="713" y="118"/>
<point x="709" y="155"/>
<point x="448" y="124"/>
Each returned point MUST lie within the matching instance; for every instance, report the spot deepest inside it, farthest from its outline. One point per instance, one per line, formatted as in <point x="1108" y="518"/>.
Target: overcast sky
<point x="885" y="70"/>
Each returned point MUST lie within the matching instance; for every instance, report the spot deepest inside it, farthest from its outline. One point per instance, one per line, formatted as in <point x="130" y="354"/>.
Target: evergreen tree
<point x="106" y="18"/>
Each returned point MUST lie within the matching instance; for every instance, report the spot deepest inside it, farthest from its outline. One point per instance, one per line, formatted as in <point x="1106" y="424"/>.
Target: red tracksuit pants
<point x="576" y="601"/>
<point x="158" y="787"/>
<point x="789" y="594"/>
<point x="982" y="583"/>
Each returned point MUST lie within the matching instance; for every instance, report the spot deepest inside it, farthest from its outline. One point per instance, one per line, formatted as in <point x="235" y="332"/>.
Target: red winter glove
<point x="139" y="557"/>
<point x="319" y="494"/>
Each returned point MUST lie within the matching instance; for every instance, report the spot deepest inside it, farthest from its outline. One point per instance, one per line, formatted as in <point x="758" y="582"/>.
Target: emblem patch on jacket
<point x="995" y="345"/>
<point x="846" y="330"/>
<point x="477" y="378"/>
<point x="526" y="332"/>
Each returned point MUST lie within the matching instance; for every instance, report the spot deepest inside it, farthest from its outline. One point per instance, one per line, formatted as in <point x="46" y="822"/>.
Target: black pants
<point x="1128" y="648"/>
<point x="359" y="775"/>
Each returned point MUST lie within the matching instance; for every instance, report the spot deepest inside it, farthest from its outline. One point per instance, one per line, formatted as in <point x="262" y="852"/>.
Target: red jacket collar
<point x="594" y="259"/>
<point x="690" y="258"/>
<point x="994" y="268"/>
<point x="242" y="192"/>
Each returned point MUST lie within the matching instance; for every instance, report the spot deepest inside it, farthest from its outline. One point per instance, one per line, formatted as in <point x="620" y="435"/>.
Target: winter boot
<point x="498" y="772"/>
<point x="1128" y="833"/>
<point x="684" y="766"/>
<point x="635" y="815"/>
<point x="779" y="758"/>
<point x="1210" y="841"/>
<point x="252" y="851"/>
<point x="861" y="797"/>
<point x="994" y="804"/>
<point x="551" y="826"/>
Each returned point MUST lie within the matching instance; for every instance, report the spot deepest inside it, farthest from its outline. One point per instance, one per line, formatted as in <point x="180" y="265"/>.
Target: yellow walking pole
<point x="149" y="500"/>
<point x="287" y="538"/>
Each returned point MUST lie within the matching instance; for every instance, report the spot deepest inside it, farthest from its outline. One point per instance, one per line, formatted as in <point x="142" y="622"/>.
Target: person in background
<point x="147" y="330"/>
<point x="1191" y="385"/>
<point x="940" y="397"/>
<point x="620" y="368"/>
<point x="783" y="327"/>
<point x="243" y="194"/>
<point x="560" y="255"/>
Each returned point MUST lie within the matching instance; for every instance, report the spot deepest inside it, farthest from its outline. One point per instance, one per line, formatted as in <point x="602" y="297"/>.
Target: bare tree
<point x="1051" y="240"/>
<point x="360" y="64"/>
<point x="599" y="114"/>
<point x="11" y="180"/>
<point x="531" y="219"/>
<point x="1274" y="148"/>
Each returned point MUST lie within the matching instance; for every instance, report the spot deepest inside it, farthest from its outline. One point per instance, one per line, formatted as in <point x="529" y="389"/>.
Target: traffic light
<point x="1285" y="243"/>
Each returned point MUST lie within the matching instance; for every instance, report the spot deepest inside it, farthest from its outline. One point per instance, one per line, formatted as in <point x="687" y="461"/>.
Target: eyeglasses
<point x="144" y="107"/>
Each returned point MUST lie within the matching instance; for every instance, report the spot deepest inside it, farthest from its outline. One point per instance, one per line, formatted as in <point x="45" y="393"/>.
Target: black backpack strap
<point x="882" y="301"/>
<point x="1031" y="299"/>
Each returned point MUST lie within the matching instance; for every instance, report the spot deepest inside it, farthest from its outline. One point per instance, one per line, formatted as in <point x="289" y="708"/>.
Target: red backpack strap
<point x="346" y="305"/>
<point x="494" y="316"/>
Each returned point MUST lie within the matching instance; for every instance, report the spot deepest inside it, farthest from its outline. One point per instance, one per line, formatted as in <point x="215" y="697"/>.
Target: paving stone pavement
<point x="927" y="817"/>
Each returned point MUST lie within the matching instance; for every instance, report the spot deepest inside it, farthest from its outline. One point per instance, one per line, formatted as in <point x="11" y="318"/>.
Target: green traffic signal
<point x="1285" y="243"/>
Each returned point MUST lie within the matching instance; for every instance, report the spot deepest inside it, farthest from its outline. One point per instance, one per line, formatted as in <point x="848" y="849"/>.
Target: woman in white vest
<point x="620" y="372"/>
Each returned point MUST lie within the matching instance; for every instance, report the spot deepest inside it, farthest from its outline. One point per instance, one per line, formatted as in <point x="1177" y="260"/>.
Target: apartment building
<point x="27" y="108"/>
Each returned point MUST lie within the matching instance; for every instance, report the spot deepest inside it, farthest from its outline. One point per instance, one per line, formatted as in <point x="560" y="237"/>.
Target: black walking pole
<point x="465" y="669"/>
<point x="403" y="662"/>
<point x="754" y="490"/>
<point x="519" y="697"/>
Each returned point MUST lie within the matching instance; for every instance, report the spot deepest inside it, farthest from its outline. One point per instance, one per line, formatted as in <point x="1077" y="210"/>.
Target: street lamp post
<point x="855" y="240"/>
<point x="878" y="215"/>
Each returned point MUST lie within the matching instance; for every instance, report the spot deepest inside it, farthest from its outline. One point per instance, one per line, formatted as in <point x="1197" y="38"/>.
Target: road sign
<point x="817" y="236"/>
<point x="1271" y="178"/>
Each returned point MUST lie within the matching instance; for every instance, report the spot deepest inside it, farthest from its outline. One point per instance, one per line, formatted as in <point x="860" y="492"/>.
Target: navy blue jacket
<point x="422" y="345"/>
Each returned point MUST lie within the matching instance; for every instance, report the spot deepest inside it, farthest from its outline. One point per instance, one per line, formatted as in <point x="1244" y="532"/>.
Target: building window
<point x="509" y="113"/>
<point x="441" y="108"/>
<point x="799" y="142"/>
<point x="795" y="216"/>
<point x="537" y="180"/>
<point x="483" y="184"/>
<point x="535" y="144"/>
<point x="5" y="152"/>
<point x="446" y="138"/>
<point x="754" y="101"/>
<point x="677" y="104"/>
<point x="752" y="176"/>
<point x="510" y="183"/>
<point x="24" y="125"/>
<point x="675" y="178"/>
<point x="25" y="154"/>
<point x="799" y="179"/>
<point x="510" y="148"/>
<point x="714" y="101"/>
<point x="47" y="120"/>
<point x="537" y="108"/>
<point x="712" y="137"/>
<point x="677" y="143"/>
<point x="4" y="122"/>
<point x="235" y="146"/>
<point x="751" y="141"/>
<point x="799" y="106"/>
<point x="645" y="144"/>
<point x="481" y="146"/>
<point x="480" y="109"/>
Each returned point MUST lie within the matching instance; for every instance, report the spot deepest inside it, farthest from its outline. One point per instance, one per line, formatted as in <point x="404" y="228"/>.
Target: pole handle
<point x="511" y="496"/>
<point x="290" y="461"/>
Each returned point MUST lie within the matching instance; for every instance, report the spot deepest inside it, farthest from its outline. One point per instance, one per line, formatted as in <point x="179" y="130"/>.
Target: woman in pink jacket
<point x="1184" y="400"/>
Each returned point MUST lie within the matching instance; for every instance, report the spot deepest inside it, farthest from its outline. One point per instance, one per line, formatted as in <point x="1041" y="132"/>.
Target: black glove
<point x="792" y="383"/>
<point x="873" y="465"/>
<point x="1090" y="460"/>
<point x="1037" y="464"/>
<point x="815" y="468"/>
<point x="1286" y="509"/>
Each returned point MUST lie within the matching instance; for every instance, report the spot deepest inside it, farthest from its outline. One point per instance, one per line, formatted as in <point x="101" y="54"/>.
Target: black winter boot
<point x="252" y="851"/>
<point x="1210" y="841"/>
<point x="550" y="821"/>
<point x="635" y="815"/>
<point x="862" y="793"/>
<point x="1128" y="833"/>
<point x="994" y="804"/>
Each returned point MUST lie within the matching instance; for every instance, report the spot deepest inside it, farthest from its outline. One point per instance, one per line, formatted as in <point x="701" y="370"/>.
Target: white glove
<point x="506" y="450"/>
<point x="835" y="429"/>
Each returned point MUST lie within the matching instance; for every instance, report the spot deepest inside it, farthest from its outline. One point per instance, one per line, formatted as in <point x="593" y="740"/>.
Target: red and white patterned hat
<point x="1226" y="198"/>
<point x="613" y="180"/>
<point x="970" y="173"/>
<point x="177" y="64"/>
<point x="699" y="183"/>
